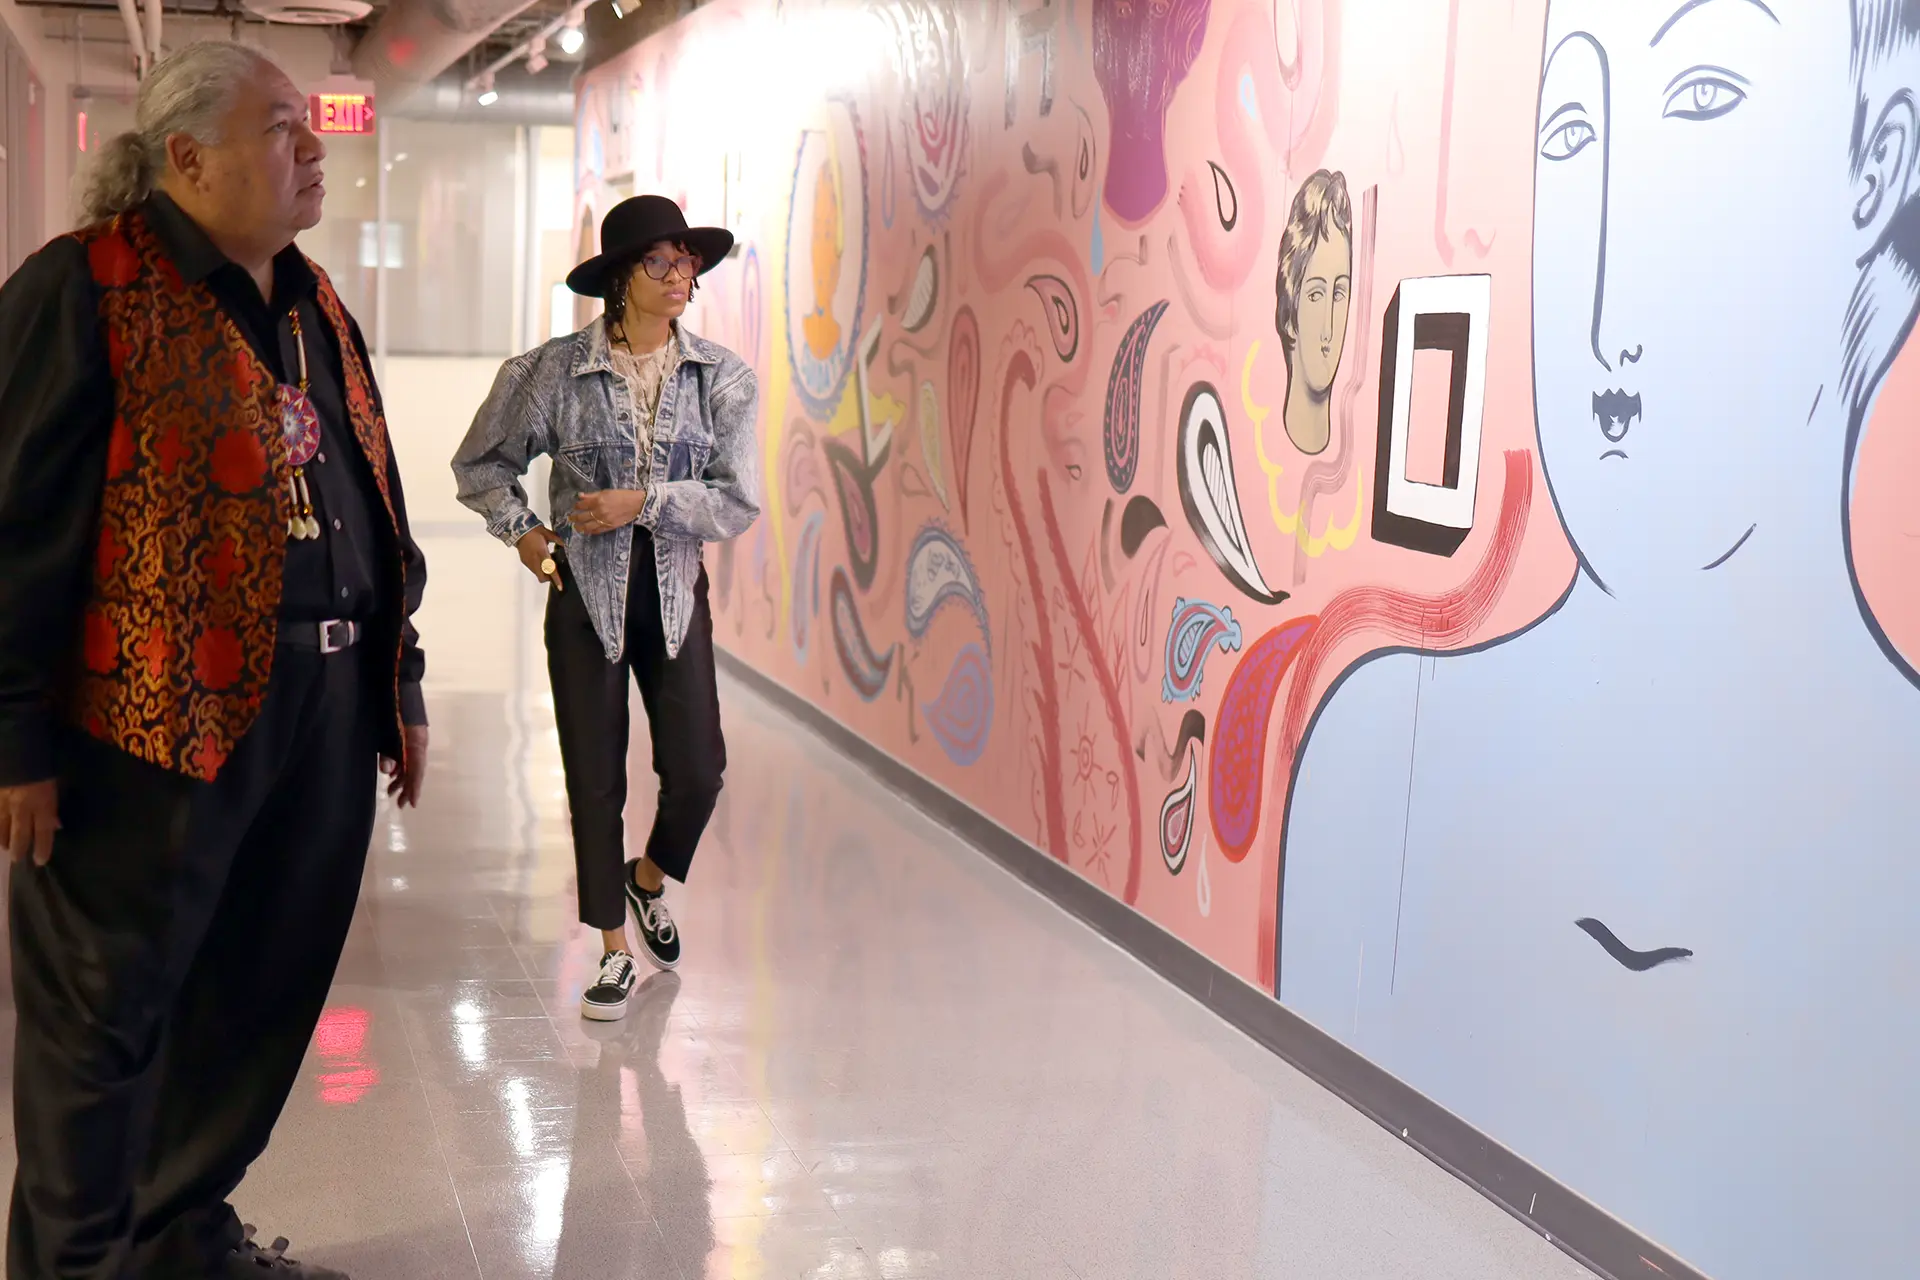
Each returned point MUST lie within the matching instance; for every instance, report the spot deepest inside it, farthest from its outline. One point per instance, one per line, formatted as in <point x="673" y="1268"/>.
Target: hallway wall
<point x="1415" y="498"/>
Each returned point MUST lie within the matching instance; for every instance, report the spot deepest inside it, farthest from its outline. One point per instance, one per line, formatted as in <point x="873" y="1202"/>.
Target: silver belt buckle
<point x="327" y="633"/>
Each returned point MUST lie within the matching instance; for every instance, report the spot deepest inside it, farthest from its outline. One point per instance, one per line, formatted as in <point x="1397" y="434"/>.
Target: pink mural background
<point x="988" y="251"/>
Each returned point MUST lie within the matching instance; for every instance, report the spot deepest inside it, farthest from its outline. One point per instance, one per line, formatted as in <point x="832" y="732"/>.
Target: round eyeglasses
<point x="659" y="266"/>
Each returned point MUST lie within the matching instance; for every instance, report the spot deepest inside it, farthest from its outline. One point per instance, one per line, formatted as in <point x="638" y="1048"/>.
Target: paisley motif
<point x="939" y="573"/>
<point x="865" y="670"/>
<point x="1124" y="386"/>
<point x="1177" y="814"/>
<point x="961" y="717"/>
<point x="806" y="584"/>
<point x="1198" y="628"/>
<point x="1062" y="314"/>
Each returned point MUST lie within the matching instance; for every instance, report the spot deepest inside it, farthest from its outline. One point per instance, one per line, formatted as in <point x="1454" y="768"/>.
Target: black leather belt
<point x="321" y="637"/>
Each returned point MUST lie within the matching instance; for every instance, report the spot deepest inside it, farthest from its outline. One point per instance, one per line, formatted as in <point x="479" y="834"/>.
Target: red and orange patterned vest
<point x="179" y="630"/>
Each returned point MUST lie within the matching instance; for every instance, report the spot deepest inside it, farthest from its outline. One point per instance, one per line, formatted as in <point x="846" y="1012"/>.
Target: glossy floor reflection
<point x="883" y="1058"/>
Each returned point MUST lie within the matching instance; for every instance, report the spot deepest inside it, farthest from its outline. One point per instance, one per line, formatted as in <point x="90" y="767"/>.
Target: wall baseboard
<point x="1579" y="1228"/>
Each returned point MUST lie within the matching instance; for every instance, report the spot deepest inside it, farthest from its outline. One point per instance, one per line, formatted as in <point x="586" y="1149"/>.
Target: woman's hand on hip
<point x="536" y="552"/>
<point x="607" y="510"/>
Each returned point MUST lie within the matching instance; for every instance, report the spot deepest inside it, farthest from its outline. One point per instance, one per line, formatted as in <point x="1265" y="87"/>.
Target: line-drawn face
<point x="1691" y="270"/>
<point x="1322" y="313"/>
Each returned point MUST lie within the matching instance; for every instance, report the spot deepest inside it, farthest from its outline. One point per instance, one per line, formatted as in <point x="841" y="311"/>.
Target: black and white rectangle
<point x="1432" y="313"/>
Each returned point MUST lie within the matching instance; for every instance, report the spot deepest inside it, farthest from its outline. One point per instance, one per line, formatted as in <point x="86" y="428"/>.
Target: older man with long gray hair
<point x="205" y="653"/>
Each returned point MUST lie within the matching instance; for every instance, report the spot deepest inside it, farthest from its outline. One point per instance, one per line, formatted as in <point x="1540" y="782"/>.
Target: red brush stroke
<point x="1433" y="623"/>
<point x="1021" y="370"/>
<point x="963" y="400"/>
<point x="1103" y="677"/>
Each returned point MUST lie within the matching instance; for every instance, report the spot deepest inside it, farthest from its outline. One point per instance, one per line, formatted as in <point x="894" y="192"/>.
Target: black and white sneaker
<point x="252" y="1261"/>
<point x="606" y="999"/>
<point x="657" y="929"/>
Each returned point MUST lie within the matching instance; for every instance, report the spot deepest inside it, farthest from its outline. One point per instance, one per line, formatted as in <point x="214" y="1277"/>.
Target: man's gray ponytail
<point x="190" y="93"/>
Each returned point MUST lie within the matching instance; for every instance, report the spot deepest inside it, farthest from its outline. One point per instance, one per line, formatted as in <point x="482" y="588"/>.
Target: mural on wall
<point x="1501" y="629"/>
<point x="1313" y="291"/>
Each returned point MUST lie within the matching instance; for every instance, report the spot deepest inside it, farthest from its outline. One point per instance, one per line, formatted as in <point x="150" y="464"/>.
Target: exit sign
<point x="341" y="113"/>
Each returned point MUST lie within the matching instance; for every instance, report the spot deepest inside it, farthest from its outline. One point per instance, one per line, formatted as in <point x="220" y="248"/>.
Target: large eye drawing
<point x="1567" y="137"/>
<point x="1703" y="96"/>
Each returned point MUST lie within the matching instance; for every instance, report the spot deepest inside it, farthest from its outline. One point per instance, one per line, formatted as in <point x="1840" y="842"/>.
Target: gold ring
<point x="548" y="567"/>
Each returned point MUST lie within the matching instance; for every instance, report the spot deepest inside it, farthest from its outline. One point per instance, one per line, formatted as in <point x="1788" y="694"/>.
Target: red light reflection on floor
<point x="340" y="1041"/>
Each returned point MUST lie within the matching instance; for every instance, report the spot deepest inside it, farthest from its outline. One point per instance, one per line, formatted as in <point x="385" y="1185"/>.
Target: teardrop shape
<point x="924" y="296"/>
<point x="1177" y="815"/>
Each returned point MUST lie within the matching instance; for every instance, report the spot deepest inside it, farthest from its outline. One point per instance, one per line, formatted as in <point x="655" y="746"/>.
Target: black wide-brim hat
<point x="634" y="226"/>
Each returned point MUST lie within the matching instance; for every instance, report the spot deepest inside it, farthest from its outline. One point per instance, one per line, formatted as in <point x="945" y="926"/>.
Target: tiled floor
<point x="884" y="1057"/>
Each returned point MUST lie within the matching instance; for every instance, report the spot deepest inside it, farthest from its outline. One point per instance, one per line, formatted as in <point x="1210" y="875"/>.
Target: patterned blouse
<point x="645" y="375"/>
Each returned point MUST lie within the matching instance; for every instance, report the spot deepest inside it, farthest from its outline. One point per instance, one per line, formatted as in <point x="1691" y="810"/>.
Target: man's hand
<point x="536" y="552"/>
<point x="29" y="815"/>
<point x="607" y="510"/>
<point x="405" y="787"/>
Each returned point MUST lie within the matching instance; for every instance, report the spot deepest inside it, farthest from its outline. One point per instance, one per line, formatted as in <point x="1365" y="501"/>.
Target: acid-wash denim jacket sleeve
<point x="510" y="431"/>
<point x="701" y="471"/>
<point x="723" y="501"/>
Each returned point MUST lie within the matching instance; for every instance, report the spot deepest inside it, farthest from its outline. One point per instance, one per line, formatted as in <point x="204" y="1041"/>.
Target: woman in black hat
<point x="651" y="433"/>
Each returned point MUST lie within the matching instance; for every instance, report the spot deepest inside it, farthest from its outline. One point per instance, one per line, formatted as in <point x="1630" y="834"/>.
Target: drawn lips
<point x="1616" y="412"/>
<point x="1638" y="961"/>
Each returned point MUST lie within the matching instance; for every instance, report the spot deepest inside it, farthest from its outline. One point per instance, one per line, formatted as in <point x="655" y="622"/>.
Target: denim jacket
<point x="701" y="476"/>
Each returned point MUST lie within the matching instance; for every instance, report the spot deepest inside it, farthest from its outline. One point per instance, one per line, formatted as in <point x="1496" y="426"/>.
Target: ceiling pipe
<point x="153" y="33"/>
<point x="543" y="102"/>
<point x="416" y="40"/>
<point x="135" y="40"/>
<point x="532" y="45"/>
<point x="27" y="32"/>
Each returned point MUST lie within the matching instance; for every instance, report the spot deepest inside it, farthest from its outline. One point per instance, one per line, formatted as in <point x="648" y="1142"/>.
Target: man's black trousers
<point x="169" y="967"/>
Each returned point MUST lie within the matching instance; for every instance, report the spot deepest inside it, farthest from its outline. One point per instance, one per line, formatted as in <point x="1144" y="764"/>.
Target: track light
<point x="572" y="40"/>
<point x="488" y="94"/>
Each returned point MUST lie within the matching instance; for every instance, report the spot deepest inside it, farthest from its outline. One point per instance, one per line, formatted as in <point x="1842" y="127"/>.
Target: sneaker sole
<point x="664" y="966"/>
<point x="602" y="1012"/>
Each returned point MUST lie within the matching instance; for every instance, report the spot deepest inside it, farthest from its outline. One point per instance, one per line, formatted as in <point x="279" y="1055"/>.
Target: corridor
<point x="883" y="1057"/>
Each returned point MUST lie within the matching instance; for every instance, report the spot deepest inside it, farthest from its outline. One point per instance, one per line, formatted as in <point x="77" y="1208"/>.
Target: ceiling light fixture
<point x="572" y="40"/>
<point x="488" y="94"/>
